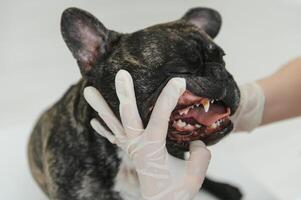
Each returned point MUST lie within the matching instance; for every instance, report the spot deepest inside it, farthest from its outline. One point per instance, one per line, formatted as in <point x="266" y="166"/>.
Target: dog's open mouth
<point x="199" y="118"/>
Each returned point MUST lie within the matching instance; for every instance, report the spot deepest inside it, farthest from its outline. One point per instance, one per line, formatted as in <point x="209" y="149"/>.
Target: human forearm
<point x="282" y="92"/>
<point x="271" y="99"/>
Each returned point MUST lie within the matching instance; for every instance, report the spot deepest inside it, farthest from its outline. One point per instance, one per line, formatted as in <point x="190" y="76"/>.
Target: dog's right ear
<point x="87" y="38"/>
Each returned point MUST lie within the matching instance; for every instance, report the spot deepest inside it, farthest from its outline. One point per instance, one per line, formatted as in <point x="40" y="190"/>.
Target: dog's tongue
<point x="215" y="113"/>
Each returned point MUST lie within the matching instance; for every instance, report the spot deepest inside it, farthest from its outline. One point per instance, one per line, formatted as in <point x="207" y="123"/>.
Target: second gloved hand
<point x="249" y="113"/>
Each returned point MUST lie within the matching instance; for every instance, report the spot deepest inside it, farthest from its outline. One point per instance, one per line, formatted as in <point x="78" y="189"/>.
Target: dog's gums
<point x="198" y="118"/>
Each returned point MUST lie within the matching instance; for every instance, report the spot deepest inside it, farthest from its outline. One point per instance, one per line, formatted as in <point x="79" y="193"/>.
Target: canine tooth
<point x="198" y="126"/>
<point x="180" y="123"/>
<point x="206" y="104"/>
<point x="197" y="105"/>
<point x="212" y="101"/>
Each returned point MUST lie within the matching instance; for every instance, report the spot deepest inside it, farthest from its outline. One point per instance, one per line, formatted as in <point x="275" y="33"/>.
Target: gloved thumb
<point x="199" y="159"/>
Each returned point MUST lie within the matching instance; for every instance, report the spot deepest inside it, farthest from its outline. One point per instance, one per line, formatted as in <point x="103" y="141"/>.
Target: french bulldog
<point x="69" y="160"/>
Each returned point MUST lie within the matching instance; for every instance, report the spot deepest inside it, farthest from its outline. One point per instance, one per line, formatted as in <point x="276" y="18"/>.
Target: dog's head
<point x="182" y="48"/>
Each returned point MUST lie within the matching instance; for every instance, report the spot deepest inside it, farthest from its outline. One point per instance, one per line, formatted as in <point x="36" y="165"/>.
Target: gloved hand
<point x="250" y="110"/>
<point x="161" y="176"/>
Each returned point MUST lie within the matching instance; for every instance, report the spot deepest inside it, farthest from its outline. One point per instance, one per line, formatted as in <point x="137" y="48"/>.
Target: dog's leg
<point x="70" y="167"/>
<point x="222" y="191"/>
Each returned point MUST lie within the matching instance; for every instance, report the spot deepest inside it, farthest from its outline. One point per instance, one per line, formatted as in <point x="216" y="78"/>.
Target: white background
<point x="36" y="68"/>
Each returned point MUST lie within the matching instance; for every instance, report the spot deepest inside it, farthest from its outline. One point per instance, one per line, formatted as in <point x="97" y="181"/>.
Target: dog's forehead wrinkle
<point x="157" y="45"/>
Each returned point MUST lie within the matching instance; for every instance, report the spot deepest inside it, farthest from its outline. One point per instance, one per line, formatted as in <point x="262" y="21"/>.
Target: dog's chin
<point x="198" y="118"/>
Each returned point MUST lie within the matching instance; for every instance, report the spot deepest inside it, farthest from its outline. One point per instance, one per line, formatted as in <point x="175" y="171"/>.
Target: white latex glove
<point x="250" y="110"/>
<point x="161" y="176"/>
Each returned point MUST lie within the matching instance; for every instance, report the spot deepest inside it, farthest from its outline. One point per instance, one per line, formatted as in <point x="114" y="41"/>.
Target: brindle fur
<point x="67" y="158"/>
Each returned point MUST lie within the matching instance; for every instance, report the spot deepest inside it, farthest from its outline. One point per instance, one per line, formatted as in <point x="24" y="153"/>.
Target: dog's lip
<point x="190" y="121"/>
<point x="208" y="137"/>
<point x="192" y="99"/>
<point x="220" y="96"/>
<point x="209" y="140"/>
<point x="189" y="98"/>
<point x="216" y="137"/>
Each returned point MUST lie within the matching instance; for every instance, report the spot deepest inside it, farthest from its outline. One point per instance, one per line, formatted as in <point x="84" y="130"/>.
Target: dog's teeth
<point x="212" y="101"/>
<point x="198" y="126"/>
<point x="214" y="125"/>
<point x="181" y="124"/>
<point x="189" y="126"/>
<point x="184" y="111"/>
<point x="206" y="104"/>
<point x="197" y="105"/>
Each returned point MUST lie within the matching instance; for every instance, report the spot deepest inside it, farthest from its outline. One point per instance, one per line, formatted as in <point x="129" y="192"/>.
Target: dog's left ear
<point x="206" y="19"/>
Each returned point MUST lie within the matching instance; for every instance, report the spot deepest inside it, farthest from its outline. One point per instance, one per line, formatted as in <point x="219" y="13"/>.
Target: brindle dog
<point x="68" y="159"/>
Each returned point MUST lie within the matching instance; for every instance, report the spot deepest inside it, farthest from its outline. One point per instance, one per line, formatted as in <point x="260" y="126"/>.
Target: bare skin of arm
<point x="282" y="93"/>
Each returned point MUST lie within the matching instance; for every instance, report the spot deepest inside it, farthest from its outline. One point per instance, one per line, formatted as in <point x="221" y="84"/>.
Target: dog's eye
<point x="176" y="68"/>
<point x="214" y="49"/>
<point x="214" y="53"/>
<point x="211" y="47"/>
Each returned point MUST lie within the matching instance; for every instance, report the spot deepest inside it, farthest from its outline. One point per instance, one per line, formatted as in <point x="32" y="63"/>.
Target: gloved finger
<point x="129" y="114"/>
<point x="199" y="159"/>
<point x="102" y="131"/>
<point x="166" y="102"/>
<point x="97" y="102"/>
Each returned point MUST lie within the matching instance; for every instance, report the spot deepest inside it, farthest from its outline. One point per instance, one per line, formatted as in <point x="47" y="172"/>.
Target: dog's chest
<point x="126" y="181"/>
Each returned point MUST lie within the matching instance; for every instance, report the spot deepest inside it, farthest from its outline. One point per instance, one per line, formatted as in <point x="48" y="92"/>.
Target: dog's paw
<point x="229" y="192"/>
<point x="222" y="191"/>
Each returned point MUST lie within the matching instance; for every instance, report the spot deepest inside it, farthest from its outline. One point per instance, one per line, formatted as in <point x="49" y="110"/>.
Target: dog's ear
<point x="87" y="38"/>
<point x="206" y="19"/>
